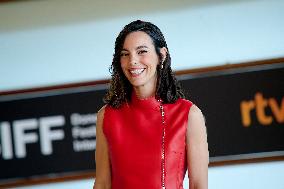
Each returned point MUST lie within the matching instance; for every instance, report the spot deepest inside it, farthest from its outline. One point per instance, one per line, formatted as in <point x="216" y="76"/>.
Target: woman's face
<point x="139" y="60"/>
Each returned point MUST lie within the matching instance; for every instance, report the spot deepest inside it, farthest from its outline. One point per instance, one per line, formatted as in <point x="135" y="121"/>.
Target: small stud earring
<point x="162" y="65"/>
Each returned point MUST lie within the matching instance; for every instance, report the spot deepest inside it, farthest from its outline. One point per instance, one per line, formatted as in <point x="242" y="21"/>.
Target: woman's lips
<point x="136" y="72"/>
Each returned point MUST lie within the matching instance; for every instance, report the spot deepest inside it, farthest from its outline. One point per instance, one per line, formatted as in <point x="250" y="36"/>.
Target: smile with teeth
<point x="137" y="71"/>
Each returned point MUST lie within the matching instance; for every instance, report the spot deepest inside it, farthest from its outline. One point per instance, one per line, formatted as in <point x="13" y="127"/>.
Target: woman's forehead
<point x="137" y="39"/>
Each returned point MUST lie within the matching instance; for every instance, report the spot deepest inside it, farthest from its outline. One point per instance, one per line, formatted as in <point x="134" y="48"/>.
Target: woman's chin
<point x="137" y="84"/>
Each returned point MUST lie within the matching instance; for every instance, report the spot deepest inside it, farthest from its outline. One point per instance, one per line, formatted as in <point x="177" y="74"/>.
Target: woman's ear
<point x="164" y="53"/>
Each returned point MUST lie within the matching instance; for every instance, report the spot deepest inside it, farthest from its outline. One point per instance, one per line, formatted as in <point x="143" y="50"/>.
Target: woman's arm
<point x="103" y="175"/>
<point x="197" y="149"/>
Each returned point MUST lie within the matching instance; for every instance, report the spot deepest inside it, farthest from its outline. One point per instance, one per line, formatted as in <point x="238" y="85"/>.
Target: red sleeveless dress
<point x="137" y="139"/>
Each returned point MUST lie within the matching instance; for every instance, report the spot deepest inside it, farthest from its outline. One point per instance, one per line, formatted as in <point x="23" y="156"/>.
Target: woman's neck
<point x="143" y="92"/>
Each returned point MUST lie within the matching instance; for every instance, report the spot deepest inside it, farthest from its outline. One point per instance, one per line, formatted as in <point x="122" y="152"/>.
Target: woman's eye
<point x="142" y="52"/>
<point x="123" y="54"/>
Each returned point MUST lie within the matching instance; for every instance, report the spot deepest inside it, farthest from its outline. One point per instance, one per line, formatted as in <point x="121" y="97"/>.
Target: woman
<point x="148" y="134"/>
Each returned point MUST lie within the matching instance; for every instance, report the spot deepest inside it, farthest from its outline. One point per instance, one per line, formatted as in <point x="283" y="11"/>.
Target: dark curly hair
<point x="168" y="89"/>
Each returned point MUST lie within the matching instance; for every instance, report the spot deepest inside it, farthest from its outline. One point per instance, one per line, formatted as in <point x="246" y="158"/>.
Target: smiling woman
<point x="148" y="134"/>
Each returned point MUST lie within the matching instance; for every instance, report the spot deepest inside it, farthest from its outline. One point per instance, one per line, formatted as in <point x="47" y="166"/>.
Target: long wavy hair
<point x="167" y="89"/>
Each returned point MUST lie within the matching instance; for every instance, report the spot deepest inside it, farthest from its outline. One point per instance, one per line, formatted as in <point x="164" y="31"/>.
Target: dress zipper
<point x="163" y="146"/>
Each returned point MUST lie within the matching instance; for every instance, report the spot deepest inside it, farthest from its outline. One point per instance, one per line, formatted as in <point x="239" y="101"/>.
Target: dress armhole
<point x="189" y="104"/>
<point x="105" y="110"/>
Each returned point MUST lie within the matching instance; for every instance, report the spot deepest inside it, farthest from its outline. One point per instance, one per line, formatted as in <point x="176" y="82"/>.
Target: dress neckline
<point x="150" y="102"/>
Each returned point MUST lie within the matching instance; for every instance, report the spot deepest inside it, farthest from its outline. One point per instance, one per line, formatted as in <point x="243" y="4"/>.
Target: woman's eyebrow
<point x="137" y="48"/>
<point x="141" y="47"/>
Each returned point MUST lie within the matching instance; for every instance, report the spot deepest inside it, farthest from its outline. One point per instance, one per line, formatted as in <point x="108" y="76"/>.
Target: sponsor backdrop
<point x="53" y="133"/>
<point x="244" y="111"/>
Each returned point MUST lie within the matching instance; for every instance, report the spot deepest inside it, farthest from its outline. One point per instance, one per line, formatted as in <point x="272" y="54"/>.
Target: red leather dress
<point x="134" y="134"/>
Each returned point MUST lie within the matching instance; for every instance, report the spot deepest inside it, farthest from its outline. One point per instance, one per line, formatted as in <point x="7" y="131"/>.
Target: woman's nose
<point x="133" y="59"/>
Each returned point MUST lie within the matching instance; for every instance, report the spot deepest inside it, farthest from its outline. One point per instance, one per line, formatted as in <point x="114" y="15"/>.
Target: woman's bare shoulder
<point x="196" y="120"/>
<point x="102" y="111"/>
<point x="100" y="115"/>
<point x="195" y="112"/>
